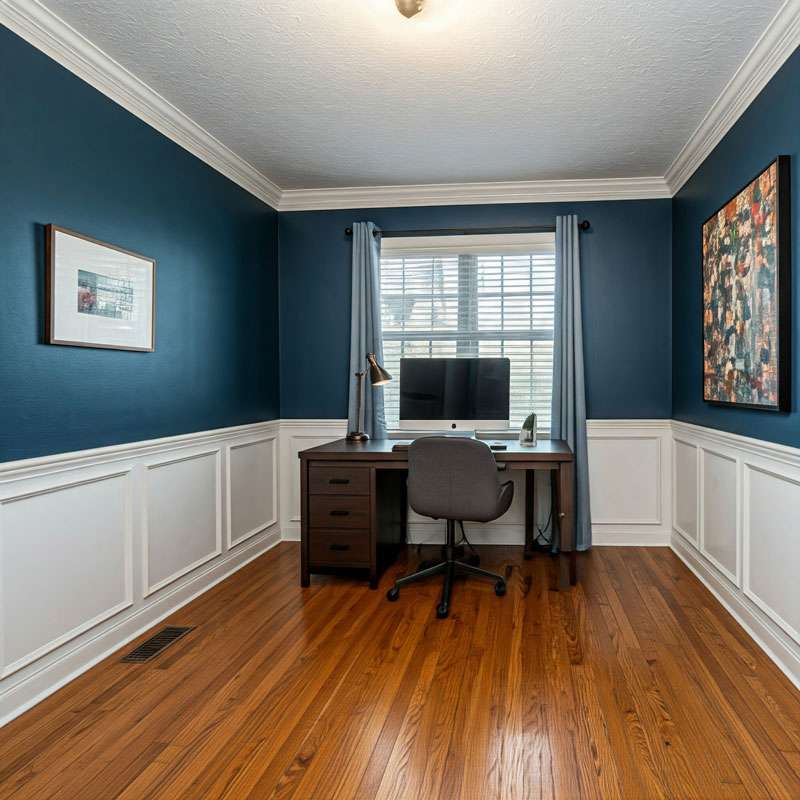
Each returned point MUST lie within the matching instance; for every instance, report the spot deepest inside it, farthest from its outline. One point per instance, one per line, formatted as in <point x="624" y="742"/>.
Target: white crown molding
<point x="49" y="33"/>
<point x="776" y="44"/>
<point x="459" y="194"/>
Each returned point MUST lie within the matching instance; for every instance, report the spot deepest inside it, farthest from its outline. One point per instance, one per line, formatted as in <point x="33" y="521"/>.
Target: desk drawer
<point x="342" y="511"/>
<point x="338" y="480"/>
<point x="338" y="547"/>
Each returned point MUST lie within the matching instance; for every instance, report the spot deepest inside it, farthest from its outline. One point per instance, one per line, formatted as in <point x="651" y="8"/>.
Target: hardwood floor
<point x="637" y="684"/>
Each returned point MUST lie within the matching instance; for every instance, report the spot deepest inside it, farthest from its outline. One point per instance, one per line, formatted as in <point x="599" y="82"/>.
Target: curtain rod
<point x="584" y="226"/>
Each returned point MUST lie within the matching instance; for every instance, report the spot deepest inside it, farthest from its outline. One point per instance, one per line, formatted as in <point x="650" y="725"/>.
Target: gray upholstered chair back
<point x="455" y="478"/>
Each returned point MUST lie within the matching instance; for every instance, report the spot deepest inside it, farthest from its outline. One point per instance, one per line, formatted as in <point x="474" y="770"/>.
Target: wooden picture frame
<point x="746" y="314"/>
<point x="97" y="294"/>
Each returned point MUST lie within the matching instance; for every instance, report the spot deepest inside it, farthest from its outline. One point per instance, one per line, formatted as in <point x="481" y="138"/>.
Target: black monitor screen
<point x="454" y="388"/>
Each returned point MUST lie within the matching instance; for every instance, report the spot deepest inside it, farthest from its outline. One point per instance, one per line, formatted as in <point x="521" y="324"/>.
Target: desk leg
<point x="373" y="528"/>
<point x="566" y="514"/>
<point x="305" y="579"/>
<point x="530" y="510"/>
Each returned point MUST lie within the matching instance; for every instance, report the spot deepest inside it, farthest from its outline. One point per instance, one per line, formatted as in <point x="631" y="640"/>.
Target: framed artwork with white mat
<point x="98" y="294"/>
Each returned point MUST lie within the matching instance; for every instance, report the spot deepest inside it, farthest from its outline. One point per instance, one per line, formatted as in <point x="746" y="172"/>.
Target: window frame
<point x="500" y="244"/>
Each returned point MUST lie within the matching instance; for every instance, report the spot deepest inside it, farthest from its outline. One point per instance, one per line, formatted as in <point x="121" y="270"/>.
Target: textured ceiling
<point x="327" y="93"/>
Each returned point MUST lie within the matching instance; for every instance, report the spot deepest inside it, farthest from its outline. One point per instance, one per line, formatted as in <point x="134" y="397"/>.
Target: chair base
<point x="449" y="568"/>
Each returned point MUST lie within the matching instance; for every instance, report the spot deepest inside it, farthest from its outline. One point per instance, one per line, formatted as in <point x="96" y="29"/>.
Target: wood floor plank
<point x="635" y="684"/>
<point x="538" y="781"/>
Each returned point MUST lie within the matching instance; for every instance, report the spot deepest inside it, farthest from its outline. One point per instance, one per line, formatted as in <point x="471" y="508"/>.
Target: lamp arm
<point x="359" y="392"/>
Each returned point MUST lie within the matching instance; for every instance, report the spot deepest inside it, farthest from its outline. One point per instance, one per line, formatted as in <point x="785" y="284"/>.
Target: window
<point x="472" y="296"/>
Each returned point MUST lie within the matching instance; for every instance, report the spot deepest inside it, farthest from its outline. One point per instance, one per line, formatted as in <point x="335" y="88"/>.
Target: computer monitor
<point x="454" y="393"/>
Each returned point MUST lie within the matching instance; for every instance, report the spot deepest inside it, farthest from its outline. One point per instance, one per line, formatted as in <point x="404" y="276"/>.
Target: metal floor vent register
<point x="160" y="641"/>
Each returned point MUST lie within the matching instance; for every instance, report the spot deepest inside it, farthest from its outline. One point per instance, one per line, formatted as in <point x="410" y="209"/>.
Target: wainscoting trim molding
<point x="228" y="500"/>
<point x="149" y="588"/>
<point x="732" y="576"/>
<point x="644" y="449"/>
<point x="126" y="602"/>
<point x="626" y="440"/>
<point x="99" y="624"/>
<point x="758" y="447"/>
<point x="676" y="526"/>
<point x="747" y="589"/>
<point x="14" y="470"/>
<point x="778" y="636"/>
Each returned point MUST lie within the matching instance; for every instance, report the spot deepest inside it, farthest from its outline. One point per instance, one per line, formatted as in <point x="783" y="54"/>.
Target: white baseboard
<point x="290" y="532"/>
<point x="629" y="536"/>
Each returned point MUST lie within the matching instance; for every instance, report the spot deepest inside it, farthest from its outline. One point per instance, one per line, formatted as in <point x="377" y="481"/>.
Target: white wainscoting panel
<point x="748" y="549"/>
<point x="719" y="503"/>
<point x="630" y="479"/>
<point x="183" y="517"/>
<point x="629" y="475"/>
<point x="772" y="545"/>
<point x="252" y="499"/>
<point x="685" y="478"/>
<point x="630" y="493"/>
<point x="45" y="568"/>
<point x="98" y="546"/>
<point x="297" y="435"/>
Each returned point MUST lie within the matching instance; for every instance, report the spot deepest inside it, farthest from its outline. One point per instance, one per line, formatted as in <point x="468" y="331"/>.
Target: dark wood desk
<point x="353" y="505"/>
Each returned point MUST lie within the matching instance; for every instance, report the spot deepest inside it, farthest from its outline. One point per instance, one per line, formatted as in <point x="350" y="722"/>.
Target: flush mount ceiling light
<point x="408" y="8"/>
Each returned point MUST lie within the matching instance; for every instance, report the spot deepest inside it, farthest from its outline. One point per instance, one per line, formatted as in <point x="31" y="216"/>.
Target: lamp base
<point x="357" y="436"/>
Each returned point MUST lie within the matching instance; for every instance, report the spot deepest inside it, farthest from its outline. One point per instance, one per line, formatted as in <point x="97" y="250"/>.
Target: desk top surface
<point x="381" y="450"/>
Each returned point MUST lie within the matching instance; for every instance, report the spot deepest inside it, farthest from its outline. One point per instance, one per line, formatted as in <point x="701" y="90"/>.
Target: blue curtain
<point x="365" y="329"/>
<point x="569" y="393"/>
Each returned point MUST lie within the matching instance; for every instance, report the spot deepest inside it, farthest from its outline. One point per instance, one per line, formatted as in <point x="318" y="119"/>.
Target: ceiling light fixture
<point x="408" y="8"/>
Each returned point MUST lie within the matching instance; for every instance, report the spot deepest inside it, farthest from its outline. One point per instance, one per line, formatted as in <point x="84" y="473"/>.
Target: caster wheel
<point x="442" y="611"/>
<point x="393" y="594"/>
<point x="474" y="560"/>
<point x="500" y="588"/>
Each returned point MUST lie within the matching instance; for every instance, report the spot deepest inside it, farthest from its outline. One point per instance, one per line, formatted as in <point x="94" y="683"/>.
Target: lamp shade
<point x="377" y="374"/>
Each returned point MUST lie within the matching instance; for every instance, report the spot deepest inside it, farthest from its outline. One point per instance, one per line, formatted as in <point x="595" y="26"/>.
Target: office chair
<point x="454" y="479"/>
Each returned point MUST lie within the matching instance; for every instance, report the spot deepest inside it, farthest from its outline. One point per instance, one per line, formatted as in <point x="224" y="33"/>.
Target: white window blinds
<point x="472" y="296"/>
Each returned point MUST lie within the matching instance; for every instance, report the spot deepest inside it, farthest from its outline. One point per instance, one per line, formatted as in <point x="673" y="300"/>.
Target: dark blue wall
<point x="769" y="127"/>
<point x="626" y="293"/>
<point x="71" y="156"/>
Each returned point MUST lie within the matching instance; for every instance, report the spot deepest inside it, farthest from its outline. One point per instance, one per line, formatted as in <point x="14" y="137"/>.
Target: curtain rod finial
<point x="348" y="231"/>
<point x="585" y="225"/>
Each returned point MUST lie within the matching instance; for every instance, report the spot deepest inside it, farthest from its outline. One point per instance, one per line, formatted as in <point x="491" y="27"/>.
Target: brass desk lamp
<point x="377" y="376"/>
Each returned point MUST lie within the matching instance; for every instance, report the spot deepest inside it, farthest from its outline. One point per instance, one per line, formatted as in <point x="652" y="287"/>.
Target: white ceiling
<point x="333" y="93"/>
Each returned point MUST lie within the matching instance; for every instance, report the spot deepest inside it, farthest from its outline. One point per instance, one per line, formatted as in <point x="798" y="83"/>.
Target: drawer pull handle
<point x="339" y="480"/>
<point x="339" y="512"/>
<point x="340" y="547"/>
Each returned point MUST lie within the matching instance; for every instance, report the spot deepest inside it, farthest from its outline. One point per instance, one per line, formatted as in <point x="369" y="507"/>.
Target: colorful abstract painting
<point x="743" y="246"/>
